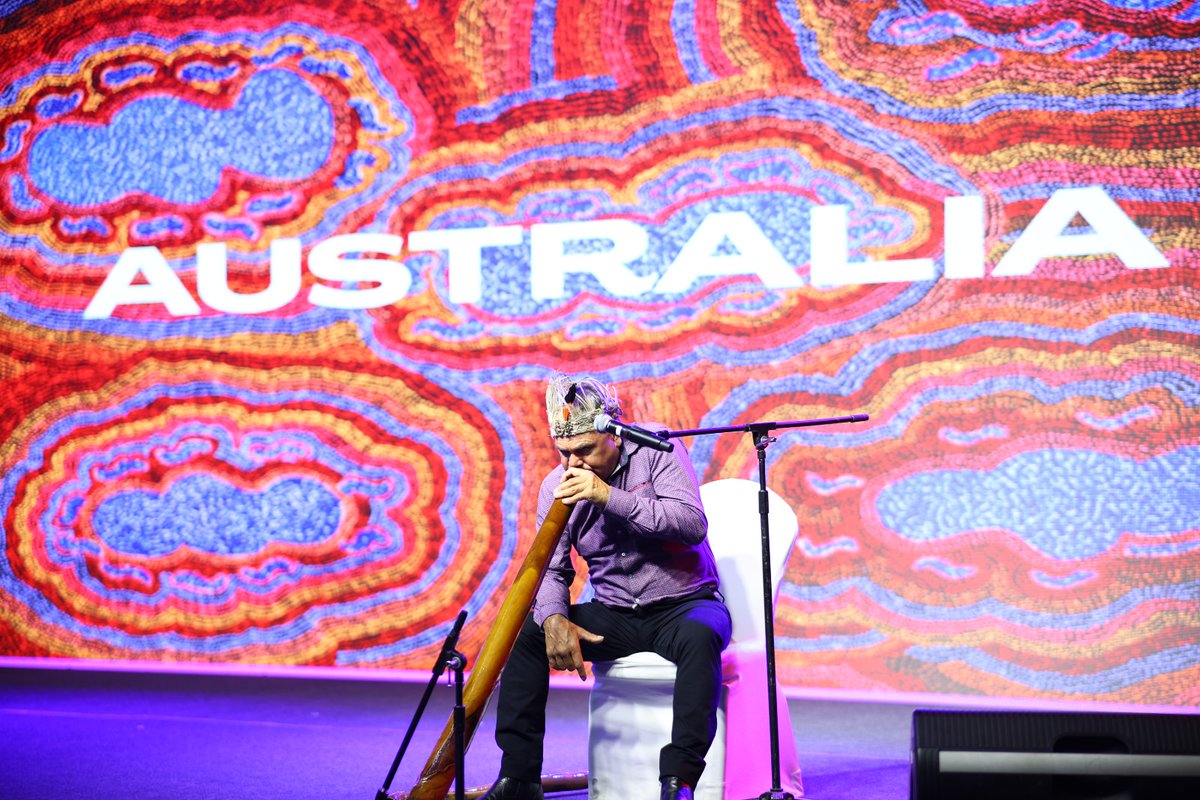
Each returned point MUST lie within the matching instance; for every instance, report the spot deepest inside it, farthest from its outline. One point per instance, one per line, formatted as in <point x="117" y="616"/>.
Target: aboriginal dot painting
<point x="281" y="284"/>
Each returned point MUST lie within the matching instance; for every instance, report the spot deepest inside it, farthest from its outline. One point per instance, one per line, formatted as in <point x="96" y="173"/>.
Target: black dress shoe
<point x="513" y="789"/>
<point x="675" y="789"/>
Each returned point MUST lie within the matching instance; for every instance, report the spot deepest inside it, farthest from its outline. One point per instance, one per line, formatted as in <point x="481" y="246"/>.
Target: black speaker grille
<point x="934" y="732"/>
<point x="1027" y="731"/>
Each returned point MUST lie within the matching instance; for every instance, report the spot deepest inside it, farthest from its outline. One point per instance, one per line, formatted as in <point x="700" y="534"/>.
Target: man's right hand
<point x="562" y="644"/>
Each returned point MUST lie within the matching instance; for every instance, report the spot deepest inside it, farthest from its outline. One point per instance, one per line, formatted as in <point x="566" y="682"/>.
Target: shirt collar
<point x="622" y="462"/>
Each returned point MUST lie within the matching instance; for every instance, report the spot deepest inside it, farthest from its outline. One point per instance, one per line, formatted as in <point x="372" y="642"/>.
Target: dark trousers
<point x="691" y="632"/>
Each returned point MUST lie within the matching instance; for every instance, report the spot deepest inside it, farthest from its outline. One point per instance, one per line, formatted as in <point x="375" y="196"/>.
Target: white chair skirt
<point x="629" y="721"/>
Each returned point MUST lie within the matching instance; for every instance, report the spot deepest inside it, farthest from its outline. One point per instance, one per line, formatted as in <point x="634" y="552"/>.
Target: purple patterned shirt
<point x="648" y="544"/>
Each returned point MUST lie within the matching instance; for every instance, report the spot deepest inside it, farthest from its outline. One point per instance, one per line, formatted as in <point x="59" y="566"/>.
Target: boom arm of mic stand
<point x="763" y="426"/>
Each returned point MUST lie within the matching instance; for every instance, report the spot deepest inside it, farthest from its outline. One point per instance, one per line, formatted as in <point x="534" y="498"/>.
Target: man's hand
<point x="581" y="484"/>
<point x="562" y="644"/>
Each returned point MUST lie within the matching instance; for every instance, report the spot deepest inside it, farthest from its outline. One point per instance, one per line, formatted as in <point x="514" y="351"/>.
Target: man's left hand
<point x="581" y="484"/>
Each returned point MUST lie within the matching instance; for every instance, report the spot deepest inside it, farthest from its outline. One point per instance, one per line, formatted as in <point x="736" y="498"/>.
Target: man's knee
<point x="700" y="639"/>
<point x="530" y="639"/>
<point x="709" y="625"/>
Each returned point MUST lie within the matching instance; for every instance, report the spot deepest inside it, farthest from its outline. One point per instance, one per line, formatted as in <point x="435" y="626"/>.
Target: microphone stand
<point x="759" y="431"/>
<point x="458" y="662"/>
<point x="448" y="657"/>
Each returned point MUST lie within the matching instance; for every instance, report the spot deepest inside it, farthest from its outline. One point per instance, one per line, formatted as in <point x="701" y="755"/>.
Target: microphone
<point x="606" y="424"/>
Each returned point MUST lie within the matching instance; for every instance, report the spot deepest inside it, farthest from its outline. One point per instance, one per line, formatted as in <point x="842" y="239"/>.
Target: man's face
<point x="596" y="452"/>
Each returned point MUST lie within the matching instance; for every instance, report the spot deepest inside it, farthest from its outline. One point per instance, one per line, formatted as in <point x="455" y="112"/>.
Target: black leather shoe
<point x="675" y="789"/>
<point x="513" y="789"/>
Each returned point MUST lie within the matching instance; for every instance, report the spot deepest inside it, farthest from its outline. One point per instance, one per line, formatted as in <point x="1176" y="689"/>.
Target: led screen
<point x="281" y="284"/>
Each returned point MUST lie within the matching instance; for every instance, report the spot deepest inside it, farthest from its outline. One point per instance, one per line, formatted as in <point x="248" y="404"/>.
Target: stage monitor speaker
<point x="994" y="755"/>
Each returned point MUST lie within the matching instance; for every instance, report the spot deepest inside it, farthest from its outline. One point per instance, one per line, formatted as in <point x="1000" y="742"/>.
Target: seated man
<point x="641" y="528"/>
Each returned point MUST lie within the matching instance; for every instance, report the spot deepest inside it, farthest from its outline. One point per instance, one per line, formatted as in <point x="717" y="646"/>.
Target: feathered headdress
<point x="574" y="401"/>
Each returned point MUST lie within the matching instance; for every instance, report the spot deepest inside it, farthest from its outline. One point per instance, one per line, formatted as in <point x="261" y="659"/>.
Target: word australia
<point x="725" y="243"/>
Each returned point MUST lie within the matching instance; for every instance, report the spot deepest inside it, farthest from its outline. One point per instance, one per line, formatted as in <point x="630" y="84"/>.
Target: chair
<point x="629" y="713"/>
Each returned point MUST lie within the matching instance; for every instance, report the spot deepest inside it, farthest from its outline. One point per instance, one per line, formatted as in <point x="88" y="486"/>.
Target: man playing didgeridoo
<point x="641" y="529"/>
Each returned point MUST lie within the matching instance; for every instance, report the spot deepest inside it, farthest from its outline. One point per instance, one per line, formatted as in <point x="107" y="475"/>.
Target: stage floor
<point x="122" y="735"/>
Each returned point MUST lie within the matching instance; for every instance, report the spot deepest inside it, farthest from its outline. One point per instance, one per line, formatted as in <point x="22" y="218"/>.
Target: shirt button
<point x="622" y="552"/>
